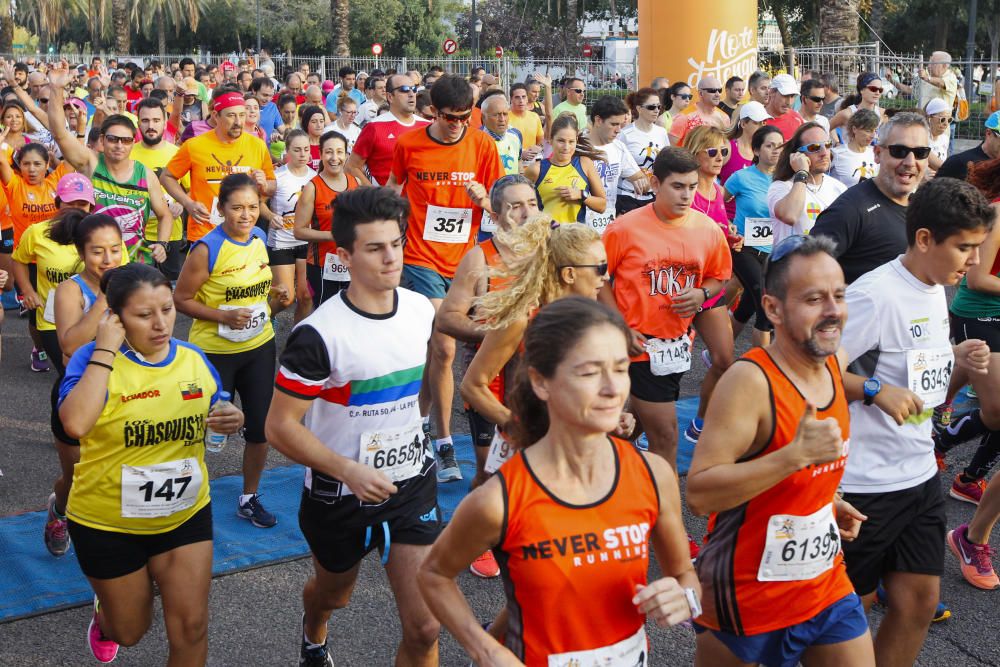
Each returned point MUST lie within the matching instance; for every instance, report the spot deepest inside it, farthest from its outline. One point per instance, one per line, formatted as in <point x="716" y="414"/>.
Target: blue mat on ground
<point x="32" y="582"/>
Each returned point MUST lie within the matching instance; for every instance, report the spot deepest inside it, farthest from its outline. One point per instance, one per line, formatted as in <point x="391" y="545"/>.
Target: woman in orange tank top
<point x="325" y="273"/>
<point x="571" y="516"/>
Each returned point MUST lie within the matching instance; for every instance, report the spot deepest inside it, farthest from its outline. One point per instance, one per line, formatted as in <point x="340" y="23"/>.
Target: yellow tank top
<point x="239" y="277"/>
<point x="142" y="465"/>
<point x="552" y="176"/>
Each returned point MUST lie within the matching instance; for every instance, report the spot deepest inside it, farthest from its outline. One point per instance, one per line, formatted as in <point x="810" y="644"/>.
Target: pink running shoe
<point x="104" y="649"/>
<point x="975" y="560"/>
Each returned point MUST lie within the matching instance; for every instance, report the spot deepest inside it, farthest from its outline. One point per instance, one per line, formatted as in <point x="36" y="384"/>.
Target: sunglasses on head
<point x="875" y="89"/>
<point x="115" y="139"/>
<point x="600" y="269"/>
<point x="817" y="100"/>
<point x="815" y="147"/>
<point x="651" y="107"/>
<point x="456" y="118"/>
<point x="713" y="152"/>
<point x="710" y="90"/>
<point x="783" y="249"/>
<point x="900" y="151"/>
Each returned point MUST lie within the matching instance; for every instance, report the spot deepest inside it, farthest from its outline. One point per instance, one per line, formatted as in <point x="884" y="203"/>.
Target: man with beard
<point x="780" y="105"/>
<point x="868" y="221"/>
<point x="123" y="188"/>
<point x="155" y="152"/>
<point x="898" y="337"/>
<point x="706" y="112"/>
<point x="210" y="157"/>
<point x="774" y="587"/>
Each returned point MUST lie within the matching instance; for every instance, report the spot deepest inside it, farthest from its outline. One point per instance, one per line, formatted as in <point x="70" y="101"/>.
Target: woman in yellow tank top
<point x="139" y="509"/>
<point x="567" y="182"/>
<point x="225" y="286"/>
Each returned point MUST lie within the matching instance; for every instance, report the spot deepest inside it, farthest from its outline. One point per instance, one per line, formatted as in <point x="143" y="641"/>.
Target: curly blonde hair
<point x="532" y="278"/>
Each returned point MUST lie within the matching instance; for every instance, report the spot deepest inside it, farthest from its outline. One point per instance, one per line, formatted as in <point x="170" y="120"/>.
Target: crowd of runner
<point x="569" y="253"/>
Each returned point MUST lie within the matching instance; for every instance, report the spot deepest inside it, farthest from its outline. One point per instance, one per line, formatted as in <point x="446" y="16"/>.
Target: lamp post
<point x="970" y="50"/>
<point x="479" y="28"/>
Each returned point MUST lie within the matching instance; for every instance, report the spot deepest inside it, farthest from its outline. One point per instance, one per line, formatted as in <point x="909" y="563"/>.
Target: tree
<point x="838" y="22"/>
<point x="340" y="12"/>
<point x="121" y="26"/>
<point x="161" y="15"/>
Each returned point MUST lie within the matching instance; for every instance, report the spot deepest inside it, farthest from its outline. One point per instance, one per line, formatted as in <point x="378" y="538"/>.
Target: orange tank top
<point x="323" y="217"/>
<point x="494" y="261"/>
<point x="570" y="571"/>
<point x="775" y="561"/>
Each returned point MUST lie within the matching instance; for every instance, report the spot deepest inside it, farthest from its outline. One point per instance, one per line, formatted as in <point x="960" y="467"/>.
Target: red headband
<point x="227" y="100"/>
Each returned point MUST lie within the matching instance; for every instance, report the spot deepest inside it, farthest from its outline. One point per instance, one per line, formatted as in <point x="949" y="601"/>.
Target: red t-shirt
<point x="377" y="141"/>
<point x="787" y="123"/>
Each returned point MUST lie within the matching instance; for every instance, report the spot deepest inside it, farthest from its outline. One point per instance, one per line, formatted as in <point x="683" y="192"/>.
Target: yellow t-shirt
<point x="142" y="465"/>
<point x="208" y="160"/>
<point x="155" y="160"/>
<point x="529" y="124"/>
<point x="54" y="263"/>
<point x="239" y="277"/>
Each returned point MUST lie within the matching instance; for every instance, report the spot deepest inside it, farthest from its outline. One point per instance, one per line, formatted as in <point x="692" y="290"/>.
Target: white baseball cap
<point x="754" y="111"/>
<point x="785" y="84"/>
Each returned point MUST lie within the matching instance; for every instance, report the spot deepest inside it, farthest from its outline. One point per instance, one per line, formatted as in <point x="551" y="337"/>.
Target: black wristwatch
<point x="708" y="295"/>
<point x="800" y="177"/>
<point x="872" y="387"/>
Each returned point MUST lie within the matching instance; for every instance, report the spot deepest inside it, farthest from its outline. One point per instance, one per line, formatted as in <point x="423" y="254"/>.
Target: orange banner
<point x="685" y="41"/>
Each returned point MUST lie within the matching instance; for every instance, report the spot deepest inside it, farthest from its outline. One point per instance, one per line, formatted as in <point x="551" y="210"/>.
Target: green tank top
<point x="972" y="304"/>
<point x="128" y="203"/>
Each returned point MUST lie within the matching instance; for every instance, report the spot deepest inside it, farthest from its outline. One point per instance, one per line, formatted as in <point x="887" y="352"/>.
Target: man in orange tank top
<point x="774" y="587"/>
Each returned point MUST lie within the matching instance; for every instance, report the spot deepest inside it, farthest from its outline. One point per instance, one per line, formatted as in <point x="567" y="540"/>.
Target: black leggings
<point x="748" y="265"/>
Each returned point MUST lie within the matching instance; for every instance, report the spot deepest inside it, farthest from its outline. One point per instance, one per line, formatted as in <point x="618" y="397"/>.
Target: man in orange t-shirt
<point x="665" y="260"/>
<point x="445" y="171"/>
<point x="210" y="157"/>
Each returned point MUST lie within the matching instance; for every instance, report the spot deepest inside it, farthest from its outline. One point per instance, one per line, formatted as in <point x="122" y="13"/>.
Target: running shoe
<point x="485" y="566"/>
<point x="315" y="655"/>
<point x="40" y="361"/>
<point x="942" y="417"/>
<point x="693" y="547"/>
<point x="693" y="431"/>
<point x="254" y="511"/>
<point x="104" y="649"/>
<point x="970" y="492"/>
<point x="56" y="533"/>
<point x="941" y="613"/>
<point x="448" y="470"/>
<point x="975" y="560"/>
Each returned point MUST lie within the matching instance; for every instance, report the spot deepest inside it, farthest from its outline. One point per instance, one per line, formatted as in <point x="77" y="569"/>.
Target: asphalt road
<point x="255" y="614"/>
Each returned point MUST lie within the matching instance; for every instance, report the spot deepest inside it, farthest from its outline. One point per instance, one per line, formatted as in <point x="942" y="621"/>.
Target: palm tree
<point x="162" y="14"/>
<point x="6" y="27"/>
<point x="340" y="15"/>
<point x="43" y="17"/>
<point x="838" y="22"/>
<point x="121" y="26"/>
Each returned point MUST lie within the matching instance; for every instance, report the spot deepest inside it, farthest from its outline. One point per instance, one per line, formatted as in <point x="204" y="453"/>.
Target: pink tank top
<point x="715" y="209"/>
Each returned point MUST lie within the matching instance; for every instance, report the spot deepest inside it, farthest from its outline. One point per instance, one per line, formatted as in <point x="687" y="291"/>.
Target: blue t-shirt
<point x="270" y="119"/>
<point x="354" y="94"/>
<point x="749" y="187"/>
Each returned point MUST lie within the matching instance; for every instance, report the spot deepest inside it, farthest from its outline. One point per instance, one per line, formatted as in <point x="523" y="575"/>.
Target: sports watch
<point x="872" y="387"/>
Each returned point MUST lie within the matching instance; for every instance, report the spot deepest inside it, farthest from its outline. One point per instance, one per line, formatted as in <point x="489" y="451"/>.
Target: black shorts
<point x="50" y="343"/>
<point x="171" y="267"/>
<point x="905" y="532"/>
<point x="479" y="428"/>
<point x="286" y="256"/>
<point x="983" y="328"/>
<point x="251" y="375"/>
<point x="342" y="532"/>
<point x="626" y="203"/>
<point x="322" y="289"/>
<point x="7" y="241"/>
<point x="653" y="388"/>
<point x="105" y="554"/>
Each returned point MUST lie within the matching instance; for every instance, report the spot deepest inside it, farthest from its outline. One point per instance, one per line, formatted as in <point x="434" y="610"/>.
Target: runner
<point x="567" y="182"/>
<point x="326" y="275"/>
<point x="643" y="139"/>
<point x="780" y="105"/>
<point x="575" y="91"/>
<point x="831" y="104"/>
<point x="123" y="188"/>
<point x="812" y="97"/>
<point x="376" y="97"/>
<point x="898" y="338"/>
<point x="348" y="354"/>
<point x="854" y="159"/>
<point x="706" y="111"/>
<point x="735" y="88"/>
<point x="527" y="123"/>
<point x="210" y="157"/>
<point x="444" y="171"/>
<point x="607" y="117"/>
<point x="509" y="142"/>
<point x="312" y="122"/>
<point x="680" y="256"/>
<point x="766" y="469"/>
<point x="570" y="484"/>
<point x="675" y="100"/>
<point x="285" y="253"/>
<point x="225" y="287"/>
<point x="869" y="87"/>
<point x="747" y="189"/>
<point x="347" y="112"/>
<point x="372" y="154"/>
<point x="800" y="188"/>
<point x="128" y="533"/>
<point x="868" y="221"/>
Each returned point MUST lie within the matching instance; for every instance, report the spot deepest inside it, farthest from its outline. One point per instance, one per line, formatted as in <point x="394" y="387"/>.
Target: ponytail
<point x="76" y="226"/>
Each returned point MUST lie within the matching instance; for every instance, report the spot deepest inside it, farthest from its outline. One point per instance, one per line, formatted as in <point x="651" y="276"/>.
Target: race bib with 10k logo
<point x="667" y="357"/>
<point x="928" y="373"/>
<point x="398" y="452"/>
<point x="799" y="548"/>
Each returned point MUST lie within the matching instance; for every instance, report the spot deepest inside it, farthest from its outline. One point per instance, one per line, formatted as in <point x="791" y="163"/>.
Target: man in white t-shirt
<point x="813" y="96"/>
<point x="801" y="189"/>
<point x="375" y="92"/>
<point x="897" y="336"/>
<point x="607" y="118"/>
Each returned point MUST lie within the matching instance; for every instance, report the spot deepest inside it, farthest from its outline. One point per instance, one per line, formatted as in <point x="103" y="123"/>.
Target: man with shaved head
<point x="706" y="112"/>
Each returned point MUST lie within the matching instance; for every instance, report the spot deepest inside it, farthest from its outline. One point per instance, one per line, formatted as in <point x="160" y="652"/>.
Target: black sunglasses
<point x="817" y="100"/>
<point x="900" y="151"/>
<point x="455" y="118"/>
<point x="600" y="269"/>
<point x="684" y="97"/>
<point x="710" y="90"/>
<point x="115" y="139"/>
<point x="651" y="107"/>
<point x="579" y="91"/>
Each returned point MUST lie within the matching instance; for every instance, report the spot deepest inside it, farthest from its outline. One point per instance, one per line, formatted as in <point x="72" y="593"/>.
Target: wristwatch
<point x="708" y="294"/>
<point x="801" y="176"/>
<point x="872" y="387"/>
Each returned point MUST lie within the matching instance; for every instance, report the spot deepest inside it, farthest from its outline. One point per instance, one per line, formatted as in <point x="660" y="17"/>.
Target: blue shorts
<point x="425" y="281"/>
<point x="842" y="621"/>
